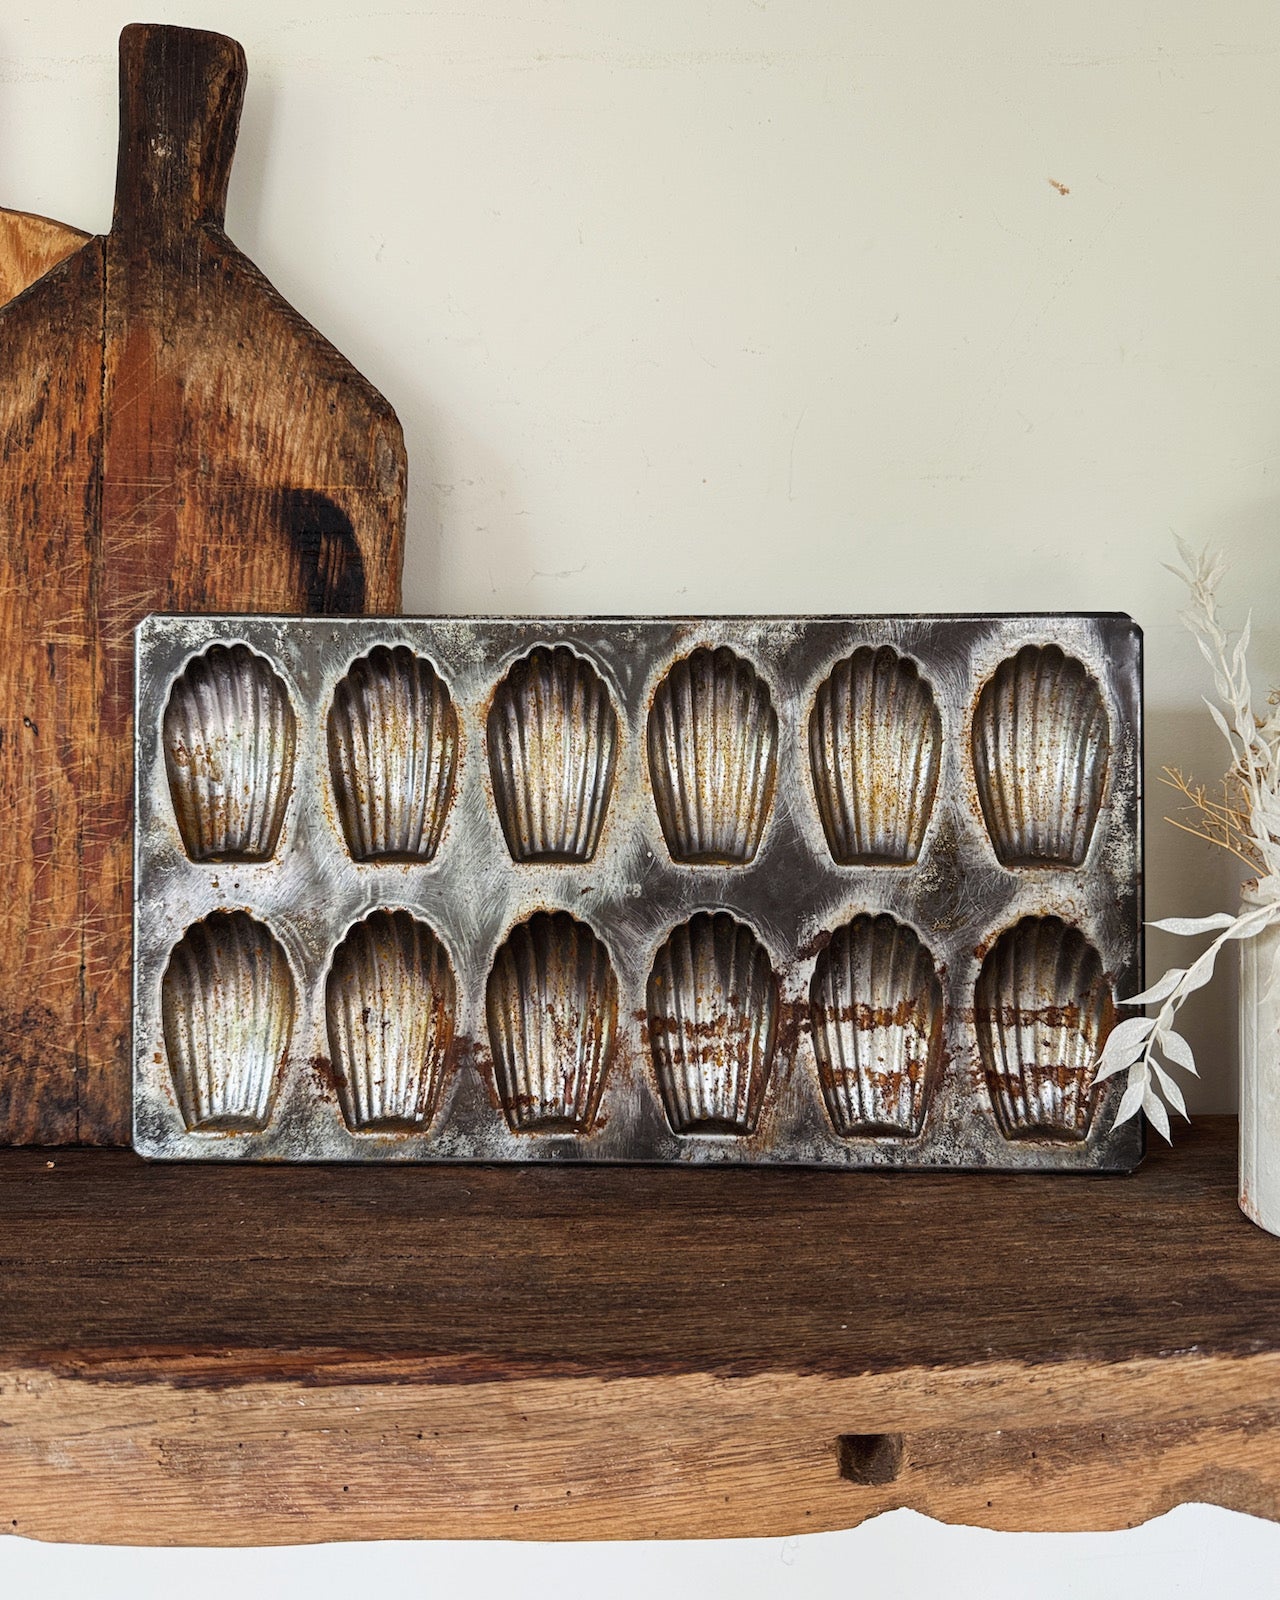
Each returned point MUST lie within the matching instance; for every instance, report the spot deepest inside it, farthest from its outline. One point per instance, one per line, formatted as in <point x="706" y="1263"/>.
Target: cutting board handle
<point x="181" y="90"/>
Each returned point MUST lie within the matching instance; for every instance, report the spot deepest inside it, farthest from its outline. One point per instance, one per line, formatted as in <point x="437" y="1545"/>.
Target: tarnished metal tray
<point x="851" y="891"/>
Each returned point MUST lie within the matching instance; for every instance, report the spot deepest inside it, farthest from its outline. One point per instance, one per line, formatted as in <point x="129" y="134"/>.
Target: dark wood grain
<point x="174" y="437"/>
<point x="630" y="1270"/>
<point x="252" y="1355"/>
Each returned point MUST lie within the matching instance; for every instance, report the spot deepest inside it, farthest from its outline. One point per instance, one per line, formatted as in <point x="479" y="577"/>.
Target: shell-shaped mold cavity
<point x="1041" y="747"/>
<point x="393" y="755"/>
<point x="1043" y="1009"/>
<point x="876" y="1010"/>
<point x="713" y="757"/>
<point x="227" y="1006"/>
<point x="229" y="738"/>
<point x="390" y="1006"/>
<point x="553" y="747"/>
<point x="875" y="744"/>
<point x="713" y="1019"/>
<point x="552" y="1003"/>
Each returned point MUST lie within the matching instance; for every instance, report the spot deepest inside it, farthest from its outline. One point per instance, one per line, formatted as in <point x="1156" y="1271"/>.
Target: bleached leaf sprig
<point x="1254" y="741"/>
<point x="1146" y="1048"/>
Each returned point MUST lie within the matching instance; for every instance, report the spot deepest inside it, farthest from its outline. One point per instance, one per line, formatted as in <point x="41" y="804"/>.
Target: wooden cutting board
<point x="29" y="247"/>
<point x="175" y="437"/>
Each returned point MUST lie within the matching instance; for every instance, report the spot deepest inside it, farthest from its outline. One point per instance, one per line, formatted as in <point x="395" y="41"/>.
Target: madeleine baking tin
<point x="849" y="892"/>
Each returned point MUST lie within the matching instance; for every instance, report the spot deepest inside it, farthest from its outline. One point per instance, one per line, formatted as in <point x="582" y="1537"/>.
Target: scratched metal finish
<point x="840" y="971"/>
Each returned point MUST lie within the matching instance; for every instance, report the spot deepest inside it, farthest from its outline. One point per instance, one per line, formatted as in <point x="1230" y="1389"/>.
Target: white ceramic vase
<point x="1260" y="1074"/>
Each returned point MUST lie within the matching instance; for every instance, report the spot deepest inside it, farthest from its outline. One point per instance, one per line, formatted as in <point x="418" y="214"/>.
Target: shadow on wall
<point x="248" y="221"/>
<point x="492" y="558"/>
<point x="1247" y="532"/>
<point x="1186" y="878"/>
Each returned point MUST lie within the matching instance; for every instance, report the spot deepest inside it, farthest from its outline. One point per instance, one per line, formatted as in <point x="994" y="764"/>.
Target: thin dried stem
<point x="1245" y="822"/>
<point x="1225" y="823"/>
<point x="1197" y="833"/>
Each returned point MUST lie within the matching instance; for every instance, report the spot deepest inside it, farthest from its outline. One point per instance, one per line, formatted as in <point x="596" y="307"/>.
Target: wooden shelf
<point x="208" y="1354"/>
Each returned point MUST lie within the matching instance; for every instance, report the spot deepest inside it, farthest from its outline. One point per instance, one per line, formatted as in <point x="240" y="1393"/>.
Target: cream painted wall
<point x="752" y="305"/>
<point x="768" y="305"/>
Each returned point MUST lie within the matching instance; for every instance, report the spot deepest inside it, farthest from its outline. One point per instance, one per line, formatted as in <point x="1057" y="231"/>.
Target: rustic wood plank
<point x="30" y="246"/>
<point x="239" y="1355"/>
<point x="50" y="440"/>
<point x="175" y="437"/>
<point x="623" y="1269"/>
<point x="667" y="1456"/>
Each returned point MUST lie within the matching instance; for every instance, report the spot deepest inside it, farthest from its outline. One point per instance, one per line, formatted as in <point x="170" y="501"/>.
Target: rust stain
<point x="327" y="1078"/>
<point x="815" y="946"/>
<point x="720" y="1043"/>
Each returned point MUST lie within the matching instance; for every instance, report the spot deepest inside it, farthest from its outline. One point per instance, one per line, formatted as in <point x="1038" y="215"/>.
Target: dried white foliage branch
<point x="1246" y="822"/>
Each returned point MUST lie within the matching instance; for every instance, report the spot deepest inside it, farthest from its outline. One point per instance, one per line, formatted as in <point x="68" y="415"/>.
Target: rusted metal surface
<point x="852" y="891"/>
<point x="229" y="733"/>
